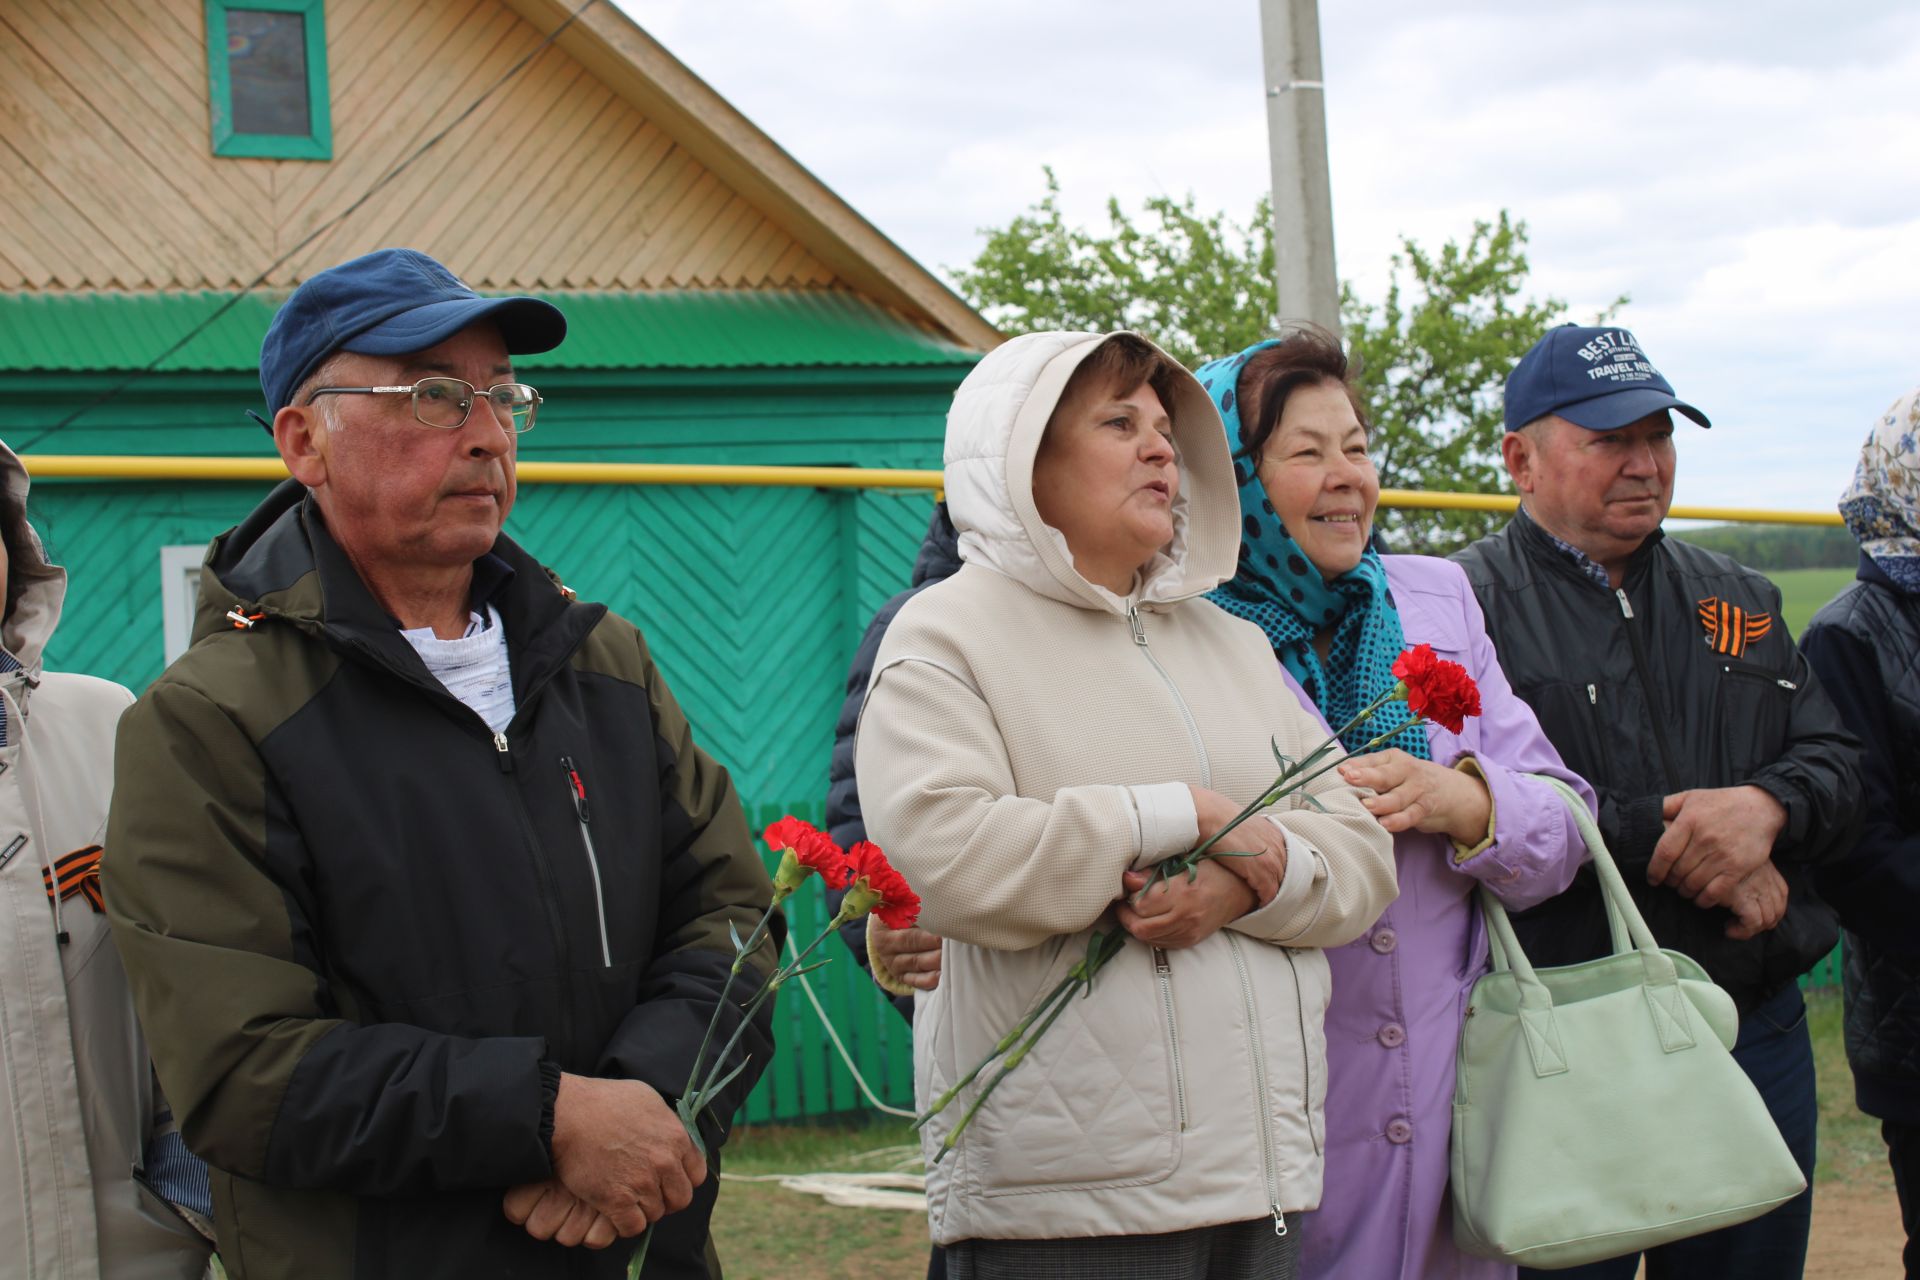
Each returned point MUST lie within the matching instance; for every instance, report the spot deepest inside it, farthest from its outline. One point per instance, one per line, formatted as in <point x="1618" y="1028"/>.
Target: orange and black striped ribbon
<point x="1730" y="629"/>
<point x="76" y="874"/>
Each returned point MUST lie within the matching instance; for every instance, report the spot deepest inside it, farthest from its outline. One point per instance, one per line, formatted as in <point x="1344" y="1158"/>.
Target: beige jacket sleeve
<point x="993" y="868"/>
<point x="1340" y="871"/>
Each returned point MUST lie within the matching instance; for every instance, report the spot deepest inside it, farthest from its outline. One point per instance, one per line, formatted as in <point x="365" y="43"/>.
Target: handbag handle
<point x="1666" y="1003"/>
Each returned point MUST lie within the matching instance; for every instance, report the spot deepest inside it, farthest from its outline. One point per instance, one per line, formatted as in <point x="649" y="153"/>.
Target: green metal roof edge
<point x="688" y="329"/>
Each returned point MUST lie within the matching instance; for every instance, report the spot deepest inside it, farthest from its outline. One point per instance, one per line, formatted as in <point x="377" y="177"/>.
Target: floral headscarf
<point x="1882" y="505"/>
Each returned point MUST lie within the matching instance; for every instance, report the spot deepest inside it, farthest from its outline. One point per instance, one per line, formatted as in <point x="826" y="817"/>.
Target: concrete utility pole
<point x="1297" y="137"/>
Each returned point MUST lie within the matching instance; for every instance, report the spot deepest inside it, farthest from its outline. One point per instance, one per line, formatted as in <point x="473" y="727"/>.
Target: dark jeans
<point x="1776" y="1052"/>
<point x="1903" y="1152"/>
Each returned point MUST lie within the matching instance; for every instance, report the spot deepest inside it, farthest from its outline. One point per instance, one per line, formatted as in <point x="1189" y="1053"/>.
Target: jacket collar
<point x="283" y="565"/>
<point x="1543" y="547"/>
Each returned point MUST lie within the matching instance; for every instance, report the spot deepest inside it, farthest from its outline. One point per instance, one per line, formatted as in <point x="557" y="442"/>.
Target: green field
<point x="1803" y="591"/>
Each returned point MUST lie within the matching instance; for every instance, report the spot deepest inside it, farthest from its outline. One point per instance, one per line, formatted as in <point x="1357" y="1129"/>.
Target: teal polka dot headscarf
<point x="1278" y="589"/>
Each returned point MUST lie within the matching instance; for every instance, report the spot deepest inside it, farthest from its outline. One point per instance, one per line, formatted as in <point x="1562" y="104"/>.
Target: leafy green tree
<point x="1433" y="358"/>
<point x="1433" y="354"/>
<point x="1200" y="285"/>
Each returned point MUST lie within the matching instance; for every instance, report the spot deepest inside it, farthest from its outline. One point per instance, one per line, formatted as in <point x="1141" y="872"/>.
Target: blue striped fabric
<point x="178" y="1174"/>
<point x="7" y="663"/>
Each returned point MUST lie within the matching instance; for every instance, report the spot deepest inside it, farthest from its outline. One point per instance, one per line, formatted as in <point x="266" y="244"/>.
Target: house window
<point x="179" y="595"/>
<point x="267" y="77"/>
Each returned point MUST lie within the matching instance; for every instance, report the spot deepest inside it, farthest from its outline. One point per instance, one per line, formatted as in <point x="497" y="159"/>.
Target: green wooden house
<point x="724" y="307"/>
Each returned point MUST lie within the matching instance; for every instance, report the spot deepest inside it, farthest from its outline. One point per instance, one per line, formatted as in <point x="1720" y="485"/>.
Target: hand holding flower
<point x="910" y="955"/>
<point x="1180" y="913"/>
<point x="1419" y="795"/>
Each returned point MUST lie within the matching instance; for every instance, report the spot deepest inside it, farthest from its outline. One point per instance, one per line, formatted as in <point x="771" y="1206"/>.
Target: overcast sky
<point x="1748" y="174"/>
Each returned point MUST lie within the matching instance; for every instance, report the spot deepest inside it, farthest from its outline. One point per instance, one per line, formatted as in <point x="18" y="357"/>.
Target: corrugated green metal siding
<point x="96" y="332"/>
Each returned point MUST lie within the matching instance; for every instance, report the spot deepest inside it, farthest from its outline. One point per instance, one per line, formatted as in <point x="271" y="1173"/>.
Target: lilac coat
<point x="1400" y="992"/>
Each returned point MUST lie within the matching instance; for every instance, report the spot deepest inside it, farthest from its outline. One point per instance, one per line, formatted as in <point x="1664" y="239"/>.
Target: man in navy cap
<point x="424" y="888"/>
<point x="1665" y="676"/>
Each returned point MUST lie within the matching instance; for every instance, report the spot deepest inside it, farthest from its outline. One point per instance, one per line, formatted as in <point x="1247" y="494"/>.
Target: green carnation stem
<point x="740" y="955"/>
<point x="1014" y="1059"/>
<point x="1290" y="780"/>
<point x="1008" y="1041"/>
<point x="700" y="1098"/>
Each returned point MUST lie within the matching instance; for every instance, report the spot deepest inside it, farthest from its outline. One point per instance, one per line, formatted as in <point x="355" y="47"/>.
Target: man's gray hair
<point x="323" y="375"/>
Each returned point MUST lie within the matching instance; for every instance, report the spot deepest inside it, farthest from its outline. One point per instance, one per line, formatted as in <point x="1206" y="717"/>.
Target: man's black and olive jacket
<point x="365" y="933"/>
<point x="1684" y="678"/>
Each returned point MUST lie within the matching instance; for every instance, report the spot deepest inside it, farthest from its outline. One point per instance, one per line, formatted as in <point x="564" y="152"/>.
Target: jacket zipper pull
<point x="1593" y="695"/>
<point x="1279" y="1220"/>
<point x="1626" y="607"/>
<point x="503" y="754"/>
<point x="579" y="790"/>
<point x="1139" y="632"/>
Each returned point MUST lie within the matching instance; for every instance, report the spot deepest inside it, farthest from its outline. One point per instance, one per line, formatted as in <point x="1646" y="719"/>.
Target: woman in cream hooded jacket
<point x="1028" y="737"/>
<point x="81" y="1101"/>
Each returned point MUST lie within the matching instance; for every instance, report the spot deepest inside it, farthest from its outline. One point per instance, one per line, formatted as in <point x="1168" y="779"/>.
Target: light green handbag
<point x="1596" y="1108"/>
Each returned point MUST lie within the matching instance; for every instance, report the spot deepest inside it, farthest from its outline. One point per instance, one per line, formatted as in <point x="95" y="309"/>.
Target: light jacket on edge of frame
<point x="83" y="1107"/>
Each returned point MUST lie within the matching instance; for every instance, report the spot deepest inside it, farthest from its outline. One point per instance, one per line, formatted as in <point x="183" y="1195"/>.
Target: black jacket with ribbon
<point x="365" y="932"/>
<point x="1865" y="645"/>
<point x="1683" y="678"/>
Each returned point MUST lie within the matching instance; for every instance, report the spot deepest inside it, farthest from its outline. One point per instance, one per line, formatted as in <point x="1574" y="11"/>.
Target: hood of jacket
<point x="1000" y="413"/>
<point x="30" y="625"/>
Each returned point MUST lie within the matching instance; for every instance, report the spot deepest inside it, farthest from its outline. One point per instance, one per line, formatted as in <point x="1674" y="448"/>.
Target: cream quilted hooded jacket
<point x="1027" y="737"/>
<point x="81" y="1101"/>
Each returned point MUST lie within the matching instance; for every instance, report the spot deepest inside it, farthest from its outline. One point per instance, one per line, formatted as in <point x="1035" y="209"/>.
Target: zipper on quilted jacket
<point x="577" y="792"/>
<point x="1163" y="970"/>
<point x="1260" y="1085"/>
<point x="1186" y="713"/>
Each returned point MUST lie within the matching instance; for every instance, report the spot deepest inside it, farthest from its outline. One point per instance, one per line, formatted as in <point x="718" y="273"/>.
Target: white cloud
<point x="1749" y="176"/>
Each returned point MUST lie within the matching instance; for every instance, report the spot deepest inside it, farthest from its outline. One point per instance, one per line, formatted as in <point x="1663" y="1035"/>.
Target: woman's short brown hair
<point x="1305" y="357"/>
<point x="1124" y="363"/>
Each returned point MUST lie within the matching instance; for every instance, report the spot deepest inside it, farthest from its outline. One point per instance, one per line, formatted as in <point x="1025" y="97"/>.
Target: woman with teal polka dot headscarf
<point x="1461" y="806"/>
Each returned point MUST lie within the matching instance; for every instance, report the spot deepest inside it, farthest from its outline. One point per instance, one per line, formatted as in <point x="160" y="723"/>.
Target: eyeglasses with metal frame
<point x="447" y="402"/>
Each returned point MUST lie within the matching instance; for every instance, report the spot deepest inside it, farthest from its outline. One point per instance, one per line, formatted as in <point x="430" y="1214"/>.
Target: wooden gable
<point x="587" y="171"/>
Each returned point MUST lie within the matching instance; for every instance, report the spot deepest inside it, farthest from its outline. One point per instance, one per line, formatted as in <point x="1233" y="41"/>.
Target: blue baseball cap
<point x="387" y="303"/>
<point x="1596" y="377"/>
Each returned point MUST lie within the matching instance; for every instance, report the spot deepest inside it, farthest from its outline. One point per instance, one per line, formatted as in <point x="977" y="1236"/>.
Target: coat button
<point x="1393" y="1035"/>
<point x="1399" y="1131"/>
<point x="1385" y="940"/>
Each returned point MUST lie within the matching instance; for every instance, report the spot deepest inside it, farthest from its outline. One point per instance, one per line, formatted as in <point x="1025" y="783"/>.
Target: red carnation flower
<point x="879" y="888"/>
<point x="785" y="834"/>
<point x="817" y="852"/>
<point x="808" y="849"/>
<point x="1437" y="690"/>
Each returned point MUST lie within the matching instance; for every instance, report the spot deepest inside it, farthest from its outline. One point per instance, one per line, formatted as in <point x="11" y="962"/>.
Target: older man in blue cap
<point x="424" y="888"/>
<point x="1665" y="676"/>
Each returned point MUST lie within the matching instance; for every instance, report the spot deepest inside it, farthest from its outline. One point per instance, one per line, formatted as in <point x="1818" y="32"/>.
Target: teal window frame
<point x="318" y="143"/>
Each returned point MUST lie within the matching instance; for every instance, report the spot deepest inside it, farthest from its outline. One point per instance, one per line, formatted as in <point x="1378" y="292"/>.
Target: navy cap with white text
<point x="1594" y="376"/>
